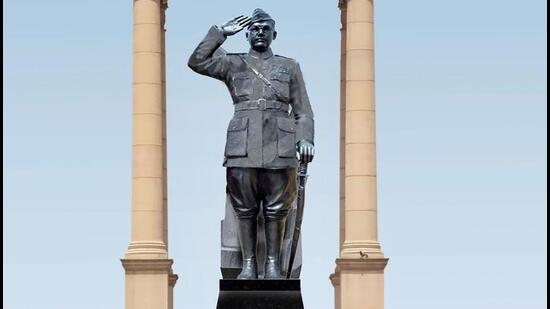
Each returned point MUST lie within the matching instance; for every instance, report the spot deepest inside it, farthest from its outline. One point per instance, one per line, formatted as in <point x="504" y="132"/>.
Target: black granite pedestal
<point x="260" y="294"/>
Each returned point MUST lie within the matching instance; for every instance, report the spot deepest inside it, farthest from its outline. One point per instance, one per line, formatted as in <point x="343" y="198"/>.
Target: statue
<point x="271" y="129"/>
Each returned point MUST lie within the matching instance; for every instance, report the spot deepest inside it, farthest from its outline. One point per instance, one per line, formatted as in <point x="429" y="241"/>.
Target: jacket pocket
<point x="237" y="135"/>
<point x="286" y="138"/>
<point x="281" y="82"/>
<point x="242" y="84"/>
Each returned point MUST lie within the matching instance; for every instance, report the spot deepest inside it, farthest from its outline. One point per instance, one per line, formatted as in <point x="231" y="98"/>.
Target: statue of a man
<point x="273" y="120"/>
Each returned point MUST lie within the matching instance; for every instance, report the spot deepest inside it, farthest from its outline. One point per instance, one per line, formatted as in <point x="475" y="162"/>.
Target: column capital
<point x="342" y="4"/>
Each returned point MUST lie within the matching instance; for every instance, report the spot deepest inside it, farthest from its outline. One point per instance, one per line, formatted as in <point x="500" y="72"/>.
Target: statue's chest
<point x="260" y="73"/>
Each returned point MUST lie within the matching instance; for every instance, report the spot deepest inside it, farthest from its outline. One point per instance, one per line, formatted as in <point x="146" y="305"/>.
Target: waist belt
<point x="261" y="104"/>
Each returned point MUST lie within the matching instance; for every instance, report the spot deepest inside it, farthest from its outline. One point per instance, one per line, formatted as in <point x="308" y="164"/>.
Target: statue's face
<point x="261" y="34"/>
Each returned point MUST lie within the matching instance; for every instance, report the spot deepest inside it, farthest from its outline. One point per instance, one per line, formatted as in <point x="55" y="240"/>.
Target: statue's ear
<point x="274" y="35"/>
<point x="246" y="33"/>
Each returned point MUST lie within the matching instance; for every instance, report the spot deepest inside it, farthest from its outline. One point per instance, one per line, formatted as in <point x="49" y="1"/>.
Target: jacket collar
<point x="265" y="55"/>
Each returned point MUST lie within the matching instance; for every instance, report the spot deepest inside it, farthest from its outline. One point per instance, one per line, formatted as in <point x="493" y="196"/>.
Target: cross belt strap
<point x="261" y="77"/>
<point x="261" y="104"/>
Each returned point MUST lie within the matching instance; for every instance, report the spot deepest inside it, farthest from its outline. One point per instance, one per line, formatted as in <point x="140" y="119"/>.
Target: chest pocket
<point x="281" y="82"/>
<point x="242" y="84"/>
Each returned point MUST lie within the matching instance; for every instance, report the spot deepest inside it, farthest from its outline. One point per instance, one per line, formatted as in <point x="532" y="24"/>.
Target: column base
<point x="359" y="283"/>
<point x="260" y="294"/>
<point x="361" y="250"/>
<point x="149" y="283"/>
<point x="151" y="250"/>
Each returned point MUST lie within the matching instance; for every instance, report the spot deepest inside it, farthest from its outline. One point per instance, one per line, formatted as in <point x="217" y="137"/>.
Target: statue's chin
<point x="260" y="47"/>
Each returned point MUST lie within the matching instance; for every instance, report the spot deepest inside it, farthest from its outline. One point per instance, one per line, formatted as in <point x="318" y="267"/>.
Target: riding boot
<point x="247" y="237"/>
<point x="274" y="233"/>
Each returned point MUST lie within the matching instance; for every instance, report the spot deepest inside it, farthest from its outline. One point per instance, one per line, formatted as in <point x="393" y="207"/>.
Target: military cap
<point x="260" y="15"/>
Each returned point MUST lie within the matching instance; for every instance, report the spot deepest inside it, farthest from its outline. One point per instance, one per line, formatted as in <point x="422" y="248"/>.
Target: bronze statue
<point x="272" y="123"/>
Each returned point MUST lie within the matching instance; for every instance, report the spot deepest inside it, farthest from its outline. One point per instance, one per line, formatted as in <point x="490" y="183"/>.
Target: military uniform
<point x="268" y="121"/>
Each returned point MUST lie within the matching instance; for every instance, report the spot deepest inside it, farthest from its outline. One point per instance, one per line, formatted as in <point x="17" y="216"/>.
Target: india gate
<point x="358" y="278"/>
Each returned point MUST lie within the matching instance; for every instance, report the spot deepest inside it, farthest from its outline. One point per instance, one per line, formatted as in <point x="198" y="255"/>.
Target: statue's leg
<point x="279" y="189"/>
<point x="247" y="237"/>
<point x="242" y="188"/>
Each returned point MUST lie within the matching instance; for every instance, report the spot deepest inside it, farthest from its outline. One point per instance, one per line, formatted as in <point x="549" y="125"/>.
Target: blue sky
<point x="461" y="133"/>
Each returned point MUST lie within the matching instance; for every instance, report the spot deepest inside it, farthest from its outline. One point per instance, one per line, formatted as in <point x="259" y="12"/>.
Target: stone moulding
<point x="147" y="265"/>
<point x="369" y="264"/>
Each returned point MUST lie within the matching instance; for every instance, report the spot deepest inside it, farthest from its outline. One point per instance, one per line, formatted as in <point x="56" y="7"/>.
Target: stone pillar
<point x="147" y="148"/>
<point x="172" y="278"/>
<point x="343" y="17"/>
<point x="359" y="275"/>
<point x="149" y="277"/>
<point x="164" y="141"/>
<point x="335" y="278"/>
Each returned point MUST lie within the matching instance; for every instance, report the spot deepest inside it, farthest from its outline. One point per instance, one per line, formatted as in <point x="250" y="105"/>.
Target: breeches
<point x="250" y="188"/>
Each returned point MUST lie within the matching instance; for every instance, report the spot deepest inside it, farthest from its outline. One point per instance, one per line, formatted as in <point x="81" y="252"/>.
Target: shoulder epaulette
<point x="284" y="57"/>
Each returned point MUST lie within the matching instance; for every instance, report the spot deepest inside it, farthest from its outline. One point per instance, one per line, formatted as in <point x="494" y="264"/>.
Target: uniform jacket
<point x="268" y="121"/>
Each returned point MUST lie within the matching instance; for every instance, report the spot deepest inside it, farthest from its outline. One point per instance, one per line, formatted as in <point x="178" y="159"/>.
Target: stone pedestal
<point x="359" y="283"/>
<point x="149" y="283"/>
<point x="260" y="294"/>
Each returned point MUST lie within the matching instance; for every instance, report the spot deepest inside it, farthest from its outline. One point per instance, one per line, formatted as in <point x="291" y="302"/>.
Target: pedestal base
<point x="149" y="283"/>
<point x="260" y="294"/>
<point x="359" y="283"/>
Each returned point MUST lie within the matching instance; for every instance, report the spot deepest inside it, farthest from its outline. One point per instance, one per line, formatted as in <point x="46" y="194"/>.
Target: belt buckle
<point x="262" y="104"/>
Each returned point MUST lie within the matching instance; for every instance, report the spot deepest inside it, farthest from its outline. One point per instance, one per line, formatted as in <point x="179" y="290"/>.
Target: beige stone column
<point x="147" y="146"/>
<point x="359" y="275"/>
<point x="335" y="278"/>
<point x="360" y="147"/>
<point x="343" y="40"/>
<point x="164" y="140"/>
<point x="172" y="278"/>
<point x="148" y="269"/>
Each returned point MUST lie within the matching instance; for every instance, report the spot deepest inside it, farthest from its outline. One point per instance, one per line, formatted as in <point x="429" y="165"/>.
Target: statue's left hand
<point x="306" y="151"/>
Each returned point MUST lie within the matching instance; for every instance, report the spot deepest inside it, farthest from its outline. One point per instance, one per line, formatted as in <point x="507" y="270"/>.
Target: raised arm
<point x="203" y="60"/>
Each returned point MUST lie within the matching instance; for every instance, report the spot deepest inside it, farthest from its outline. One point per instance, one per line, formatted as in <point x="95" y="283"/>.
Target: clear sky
<point x="461" y="132"/>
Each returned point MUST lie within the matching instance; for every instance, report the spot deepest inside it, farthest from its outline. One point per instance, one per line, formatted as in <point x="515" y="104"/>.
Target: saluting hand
<point x="235" y="25"/>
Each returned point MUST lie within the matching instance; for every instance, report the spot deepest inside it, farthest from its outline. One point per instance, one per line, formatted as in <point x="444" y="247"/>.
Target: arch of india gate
<point x="358" y="278"/>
